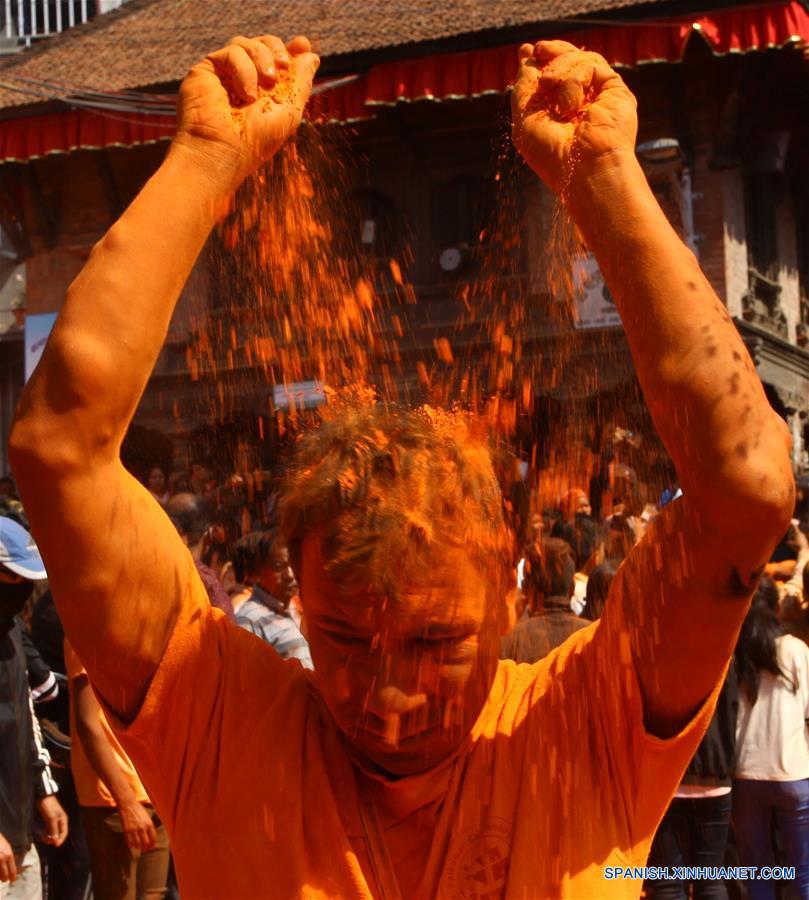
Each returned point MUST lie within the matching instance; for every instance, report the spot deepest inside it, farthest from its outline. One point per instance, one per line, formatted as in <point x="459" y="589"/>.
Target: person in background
<point x="696" y="826"/>
<point x="271" y="612"/>
<point x="578" y="529"/>
<point x="238" y="574"/>
<point x="793" y="610"/>
<point x="199" y="479"/>
<point x="129" y="847"/>
<point x="41" y="680"/>
<point x="598" y="587"/>
<point x="784" y="559"/>
<point x="191" y="517"/>
<point x="179" y="483"/>
<point x="619" y="538"/>
<point x="156" y="483"/>
<point x="547" y="588"/>
<point x="771" y="782"/>
<point x="7" y="488"/>
<point x="25" y="777"/>
<point x="222" y="535"/>
<point x="67" y="866"/>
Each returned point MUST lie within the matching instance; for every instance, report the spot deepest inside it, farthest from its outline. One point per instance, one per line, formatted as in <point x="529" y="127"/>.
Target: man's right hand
<point x="241" y="103"/>
<point x="139" y="829"/>
<point x="8" y="867"/>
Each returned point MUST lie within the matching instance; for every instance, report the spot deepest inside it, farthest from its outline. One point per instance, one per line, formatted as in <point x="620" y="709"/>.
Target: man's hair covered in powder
<point x="386" y="488"/>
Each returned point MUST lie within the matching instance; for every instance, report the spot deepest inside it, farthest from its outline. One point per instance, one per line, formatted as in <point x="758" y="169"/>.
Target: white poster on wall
<point x="37" y="329"/>
<point x="595" y="306"/>
<point x="298" y="395"/>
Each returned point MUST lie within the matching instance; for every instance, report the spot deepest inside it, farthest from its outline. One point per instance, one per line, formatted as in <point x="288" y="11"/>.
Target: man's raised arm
<point x="115" y="562"/>
<point x="685" y="589"/>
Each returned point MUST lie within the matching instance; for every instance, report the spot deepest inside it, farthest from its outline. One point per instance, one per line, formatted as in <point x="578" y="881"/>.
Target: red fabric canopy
<point x="35" y="136"/>
<point x="442" y="77"/>
<point x="491" y="71"/>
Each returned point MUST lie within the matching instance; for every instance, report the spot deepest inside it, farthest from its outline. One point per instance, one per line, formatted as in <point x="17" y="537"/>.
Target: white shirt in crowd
<point x="772" y="736"/>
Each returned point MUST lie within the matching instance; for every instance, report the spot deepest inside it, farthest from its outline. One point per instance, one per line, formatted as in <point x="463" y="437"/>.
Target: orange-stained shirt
<point x="558" y="779"/>
<point x="90" y="789"/>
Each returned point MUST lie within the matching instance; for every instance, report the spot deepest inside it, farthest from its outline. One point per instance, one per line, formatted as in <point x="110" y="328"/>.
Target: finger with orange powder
<point x="262" y="57"/>
<point x="242" y="102"/>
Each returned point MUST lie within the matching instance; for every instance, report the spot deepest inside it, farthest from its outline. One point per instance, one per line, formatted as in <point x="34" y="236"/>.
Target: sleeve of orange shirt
<point x="216" y="685"/>
<point x="610" y="778"/>
<point x="645" y="768"/>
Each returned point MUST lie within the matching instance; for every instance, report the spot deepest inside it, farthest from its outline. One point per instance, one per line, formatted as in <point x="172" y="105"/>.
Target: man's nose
<point x="390" y="700"/>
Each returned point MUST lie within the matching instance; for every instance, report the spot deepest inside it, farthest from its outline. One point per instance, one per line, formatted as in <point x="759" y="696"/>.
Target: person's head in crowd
<point x="550" y="517"/>
<point x="14" y="510"/>
<point x="244" y="557"/>
<point x="756" y="649"/>
<point x="550" y="567"/>
<point x="7" y="488"/>
<point x="222" y="536"/>
<point x="582" y="535"/>
<point x="179" y="483"/>
<point x="271" y="568"/>
<point x="536" y="527"/>
<point x="200" y="477"/>
<point x="156" y="482"/>
<point x="20" y="566"/>
<point x="395" y="524"/>
<point x="598" y="588"/>
<point x="626" y="491"/>
<point x="619" y="538"/>
<point x="192" y="519"/>
<point x="805" y="581"/>
<point x="575" y="503"/>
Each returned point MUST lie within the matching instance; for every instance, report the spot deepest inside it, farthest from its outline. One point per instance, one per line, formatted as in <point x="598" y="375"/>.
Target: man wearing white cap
<point x="25" y="777"/>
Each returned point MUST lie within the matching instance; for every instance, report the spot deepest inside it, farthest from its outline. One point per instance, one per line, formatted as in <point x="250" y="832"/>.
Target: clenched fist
<point x="239" y="105"/>
<point x="565" y="98"/>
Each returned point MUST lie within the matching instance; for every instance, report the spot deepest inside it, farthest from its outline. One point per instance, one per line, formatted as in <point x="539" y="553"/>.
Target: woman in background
<point x="771" y="784"/>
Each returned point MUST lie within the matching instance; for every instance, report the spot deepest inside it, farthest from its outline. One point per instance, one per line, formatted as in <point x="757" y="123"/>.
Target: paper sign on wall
<point x="595" y="305"/>
<point x="37" y="329"/>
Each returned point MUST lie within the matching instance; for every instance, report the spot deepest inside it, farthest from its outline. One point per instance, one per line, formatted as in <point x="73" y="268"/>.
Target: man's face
<point x="404" y="677"/>
<point x="14" y="593"/>
<point x="277" y="577"/>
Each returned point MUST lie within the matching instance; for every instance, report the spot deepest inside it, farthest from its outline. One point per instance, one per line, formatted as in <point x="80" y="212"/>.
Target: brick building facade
<point x="737" y="187"/>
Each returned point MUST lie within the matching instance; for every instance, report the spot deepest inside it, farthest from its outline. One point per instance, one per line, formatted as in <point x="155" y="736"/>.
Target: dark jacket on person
<point x="24" y="772"/>
<point x="712" y="764"/>
<point x="534" y="637"/>
<point x="216" y="592"/>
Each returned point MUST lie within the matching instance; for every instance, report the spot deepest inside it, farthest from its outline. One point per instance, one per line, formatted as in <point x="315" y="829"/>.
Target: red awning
<point x="441" y="77"/>
<point x="481" y="72"/>
<point x="30" y="138"/>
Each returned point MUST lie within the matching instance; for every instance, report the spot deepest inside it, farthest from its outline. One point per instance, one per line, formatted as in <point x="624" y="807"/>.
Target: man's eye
<point x="447" y="645"/>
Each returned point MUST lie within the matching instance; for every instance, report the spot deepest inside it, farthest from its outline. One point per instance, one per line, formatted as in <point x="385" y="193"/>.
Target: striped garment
<point x="267" y="618"/>
<point x="45" y="784"/>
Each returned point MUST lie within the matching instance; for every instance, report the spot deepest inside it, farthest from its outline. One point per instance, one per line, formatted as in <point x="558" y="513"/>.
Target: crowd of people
<point x="743" y="799"/>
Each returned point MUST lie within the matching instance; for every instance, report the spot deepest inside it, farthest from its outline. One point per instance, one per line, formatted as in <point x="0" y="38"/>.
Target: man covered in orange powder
<point x="411" y="763"/>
